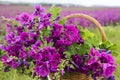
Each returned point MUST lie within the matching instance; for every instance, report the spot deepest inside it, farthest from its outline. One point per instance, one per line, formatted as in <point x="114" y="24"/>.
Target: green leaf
<point x="19" y="70"/>
<point x="93" y="41"/>
<point x="86" y="34"/>
<point x="62" y="21"/>
<point x="15" y="23"/>
<point x="110" y="46"/>
<point x="113" y="47"/>
<point x="46" y="31"/>
<point x="106" y="45"/>
<point x="83" y="49"/>
<point x="50" y="44"/>
<point x="68" y="55"/>
<point x="79" y="49"/>
<point x="2" y="53"/>
<point x="55" y="11"/>
<point x="80" y="28"/>
<point x="71" y="66"/>
<point x="72" y="49"/>
<point x="62" y="64"/>
<point x="115" y="53"/>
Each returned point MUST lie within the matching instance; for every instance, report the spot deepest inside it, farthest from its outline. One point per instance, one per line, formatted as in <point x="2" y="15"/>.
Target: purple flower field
<point x="106" y="16"/>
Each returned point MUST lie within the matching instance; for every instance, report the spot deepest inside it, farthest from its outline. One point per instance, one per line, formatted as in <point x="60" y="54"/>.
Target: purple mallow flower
<point x="77" y="61"/>
<point x="94" y="53"/>
<point x="5" y="59"/>
<point x="108" y="69"/>
<point x="45" y="20"/>
<point x="23" y="54"/>
<point x="25" y="62"/>
<point x="72" y="34"/>
<point x="39" y="11"/>
<point x="111" y="78"/>
<point x="46" y="56"/>
<point x="12" y="39"/>
<point x="28" y="39"/>
<point x="24" y="35"/>
<point x="42" y="69"/>
<point x="10" y="62"/>
<point x="93" y="60"/>
<point x="19" y="30"/>
<point x="66" y="36"/>
<point x="57" y="31"/>
<point x="24" y="18"/>
<point x="101" y="63"/>
<point x="54" y="62"/>
<point x="106" y="58"/>
<point x="37" y="44"/>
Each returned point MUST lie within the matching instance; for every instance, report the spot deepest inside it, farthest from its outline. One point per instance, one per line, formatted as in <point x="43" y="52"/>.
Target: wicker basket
<point x="77" y="75"/>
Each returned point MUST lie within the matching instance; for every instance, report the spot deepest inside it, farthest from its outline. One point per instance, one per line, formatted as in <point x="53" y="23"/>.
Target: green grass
<point x="112" y="33"/>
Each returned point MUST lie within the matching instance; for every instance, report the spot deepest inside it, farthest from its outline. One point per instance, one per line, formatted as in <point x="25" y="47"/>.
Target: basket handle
<point x="93" y="20"/>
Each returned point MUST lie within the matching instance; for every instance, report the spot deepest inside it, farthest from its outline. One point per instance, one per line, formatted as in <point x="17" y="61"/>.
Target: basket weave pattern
<point x="76" y="76"/>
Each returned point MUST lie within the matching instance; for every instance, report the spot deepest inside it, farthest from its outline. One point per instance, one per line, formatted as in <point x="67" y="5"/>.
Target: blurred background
<point x="107" y="12"/>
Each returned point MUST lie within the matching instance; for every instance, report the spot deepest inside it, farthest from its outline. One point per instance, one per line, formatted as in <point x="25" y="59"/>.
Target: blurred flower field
<point x="106" y="16"/>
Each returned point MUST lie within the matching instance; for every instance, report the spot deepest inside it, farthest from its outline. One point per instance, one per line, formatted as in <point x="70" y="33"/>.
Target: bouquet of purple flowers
<point x="41" y="44"/>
